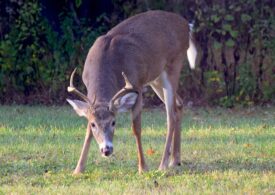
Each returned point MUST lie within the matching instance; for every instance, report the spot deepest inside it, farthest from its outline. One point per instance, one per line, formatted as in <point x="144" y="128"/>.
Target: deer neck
<point x="103" y="87"/>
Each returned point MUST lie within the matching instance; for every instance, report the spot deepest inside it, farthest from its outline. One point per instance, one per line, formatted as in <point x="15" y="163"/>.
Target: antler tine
<point x="94" y="99"/>
<point x="72" y="89"/>
<point x="127" y="82"/>
<point x="127" y="89"/>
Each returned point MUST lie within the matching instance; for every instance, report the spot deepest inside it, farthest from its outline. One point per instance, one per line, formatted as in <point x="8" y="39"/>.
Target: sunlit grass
<point x="223" y="151"/>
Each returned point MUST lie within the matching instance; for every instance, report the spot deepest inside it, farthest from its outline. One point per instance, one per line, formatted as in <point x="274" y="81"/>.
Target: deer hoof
<point x="174" y="163"/>
<point x="142" y="169"/>
<point x="77" y="172"/>
<point x="162" y="167"/>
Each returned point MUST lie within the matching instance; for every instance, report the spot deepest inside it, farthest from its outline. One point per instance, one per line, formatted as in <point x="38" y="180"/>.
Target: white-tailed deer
<point x="146" y="49"/>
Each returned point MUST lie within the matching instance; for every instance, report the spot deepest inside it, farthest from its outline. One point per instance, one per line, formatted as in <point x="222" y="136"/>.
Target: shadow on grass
<point x="120" y="170"/>
<point x="225" y="165"/>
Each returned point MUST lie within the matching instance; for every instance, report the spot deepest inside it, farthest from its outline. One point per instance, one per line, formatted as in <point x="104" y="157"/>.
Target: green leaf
<point x="217" y="45"/>
<point x="29" y="69"/>
<point x="78" y="3"/>
<point x="234" y="33"/>
<point x="237" y="9"/>
<point x="227" y="27"/>
<point x="230" y="43"/>
<point x="215" y="18"/>
<point x="229" y="17"/>
<point x="245" y="17"/>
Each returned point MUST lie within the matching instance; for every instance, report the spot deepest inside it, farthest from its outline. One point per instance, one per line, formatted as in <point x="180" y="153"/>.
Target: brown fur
<point x="143" y="47"/>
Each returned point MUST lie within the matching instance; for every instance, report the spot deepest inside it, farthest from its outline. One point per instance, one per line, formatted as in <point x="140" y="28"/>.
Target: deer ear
<point x="80" y="107"/>
<point x="125" y="102"/>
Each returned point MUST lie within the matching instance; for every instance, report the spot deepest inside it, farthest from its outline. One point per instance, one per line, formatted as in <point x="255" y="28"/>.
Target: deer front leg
<point x="84" y="153"/>
<point x="136" y="126"/>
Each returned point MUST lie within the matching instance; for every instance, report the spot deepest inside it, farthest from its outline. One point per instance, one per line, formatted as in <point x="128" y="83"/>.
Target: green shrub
<point x="36" y="61"/>
<point x="235" y="39"/>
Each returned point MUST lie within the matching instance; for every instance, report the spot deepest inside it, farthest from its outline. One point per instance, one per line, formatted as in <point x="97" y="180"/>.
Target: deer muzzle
<point x="106" y="149"/>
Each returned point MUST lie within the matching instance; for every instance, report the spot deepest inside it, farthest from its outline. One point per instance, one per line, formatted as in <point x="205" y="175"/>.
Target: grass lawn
<point x="223" y="152"/>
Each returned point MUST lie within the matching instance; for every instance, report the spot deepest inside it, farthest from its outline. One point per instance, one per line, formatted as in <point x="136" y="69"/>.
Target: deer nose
<point x="107" y="151"/>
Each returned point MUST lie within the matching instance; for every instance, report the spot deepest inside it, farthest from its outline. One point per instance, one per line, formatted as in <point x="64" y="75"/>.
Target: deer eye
<point x="113" y="123"/>
<point x="93" y="125"/>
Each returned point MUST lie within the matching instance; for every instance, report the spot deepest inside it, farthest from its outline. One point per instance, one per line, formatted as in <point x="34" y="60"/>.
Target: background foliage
<point x="42" y="43"/>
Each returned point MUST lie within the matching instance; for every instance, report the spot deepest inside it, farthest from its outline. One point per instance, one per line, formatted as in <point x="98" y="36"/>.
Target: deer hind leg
<point x="165" y="87"/>
<point x="174" y="75"/>
<point x="176" y="144"/>
<point x="136" y="126"/>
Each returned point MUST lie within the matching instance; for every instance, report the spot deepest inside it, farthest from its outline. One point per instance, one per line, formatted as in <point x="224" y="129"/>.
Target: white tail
<point x="146" y="49"/>
<point x="191" y="51"/>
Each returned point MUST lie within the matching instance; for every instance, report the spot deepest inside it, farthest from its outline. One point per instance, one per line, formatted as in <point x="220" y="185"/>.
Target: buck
<point x="146" y="49"/>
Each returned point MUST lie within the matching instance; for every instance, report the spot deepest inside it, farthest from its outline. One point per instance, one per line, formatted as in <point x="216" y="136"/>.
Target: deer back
<point x="141" y="47"/>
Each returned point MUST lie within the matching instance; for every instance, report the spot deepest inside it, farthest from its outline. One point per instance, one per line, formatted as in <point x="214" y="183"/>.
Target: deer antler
<point x="128" y="85"/>
<point x="127" y="89"/>
<point x="72" y="89"/>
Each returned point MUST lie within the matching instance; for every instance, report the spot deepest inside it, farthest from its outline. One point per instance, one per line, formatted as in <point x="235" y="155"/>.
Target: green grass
<point x="223" y="152"/>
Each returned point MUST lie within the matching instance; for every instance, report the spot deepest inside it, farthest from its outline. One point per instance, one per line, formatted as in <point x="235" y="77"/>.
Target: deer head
<point x="101" y="115"/>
